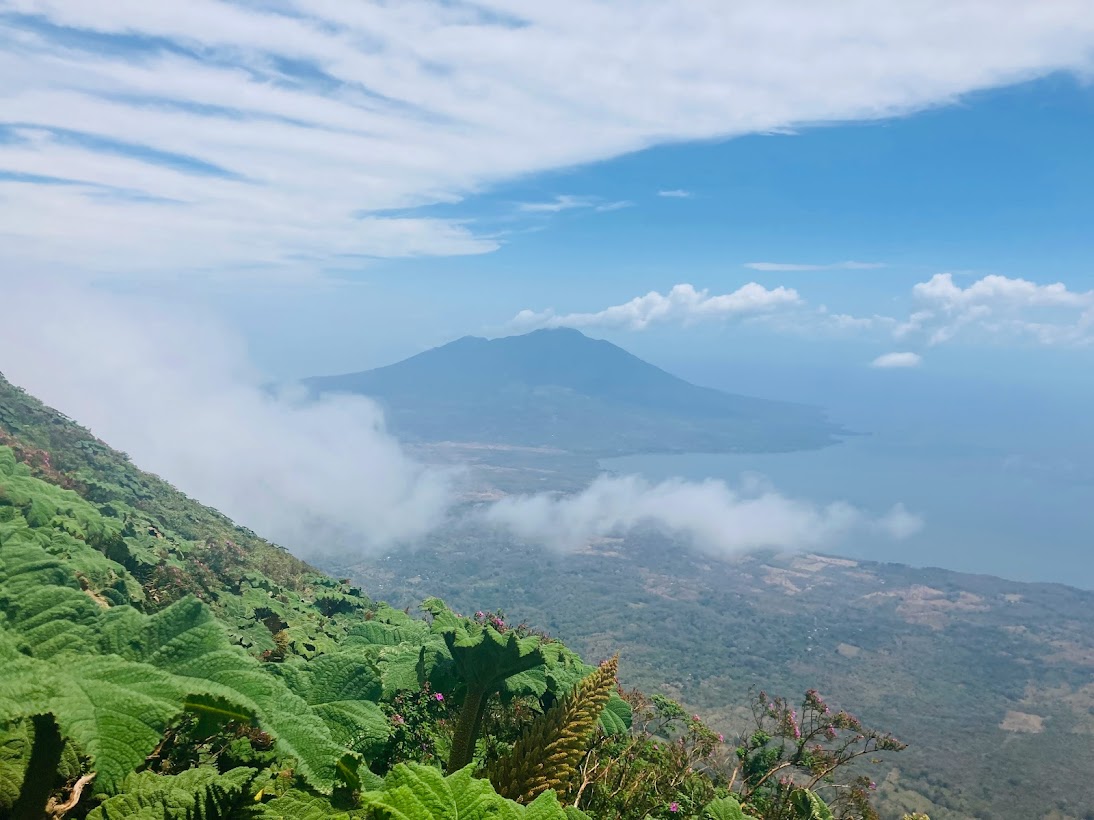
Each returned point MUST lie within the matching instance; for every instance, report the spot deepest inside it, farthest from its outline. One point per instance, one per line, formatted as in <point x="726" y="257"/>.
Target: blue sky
<point x="997" y="184"/>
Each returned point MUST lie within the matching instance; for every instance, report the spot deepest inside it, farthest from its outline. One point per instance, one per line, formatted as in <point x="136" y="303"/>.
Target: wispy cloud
<point x="563" y="202"/>
<point x="615" y="206"/>
<point x="675" y="193"/>
<point x="569" y="202"/>
<point x="239" y="136"/>
<point x="794" y="266"/>
<point x="683" y="304"/>
<point x="897" y="360"/>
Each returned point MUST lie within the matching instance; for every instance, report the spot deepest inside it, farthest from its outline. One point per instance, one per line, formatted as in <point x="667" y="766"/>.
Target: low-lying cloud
<point x="710" y="514"/>
<point x="179" y="394"/>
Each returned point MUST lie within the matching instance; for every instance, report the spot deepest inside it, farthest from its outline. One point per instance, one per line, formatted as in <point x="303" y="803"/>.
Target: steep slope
<point x="158" y="662"/>
<point x="559" y="388"/>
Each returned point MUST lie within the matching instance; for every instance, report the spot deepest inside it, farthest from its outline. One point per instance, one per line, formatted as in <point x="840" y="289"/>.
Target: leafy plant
<point x="484" y="654"/>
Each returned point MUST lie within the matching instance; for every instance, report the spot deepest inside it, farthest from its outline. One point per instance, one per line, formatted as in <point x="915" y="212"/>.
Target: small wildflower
<point x="721" y="738"/>
<point x="398" y="720"/>
<point x="674" y="807"/>
<point x="439" y="696"/>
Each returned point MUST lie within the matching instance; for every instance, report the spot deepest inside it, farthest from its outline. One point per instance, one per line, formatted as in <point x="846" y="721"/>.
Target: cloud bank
<point x="227" y="137"/>
<point x="712" y="516"/>
<point x="999" y="307"/>
<point x="993" y="308"/>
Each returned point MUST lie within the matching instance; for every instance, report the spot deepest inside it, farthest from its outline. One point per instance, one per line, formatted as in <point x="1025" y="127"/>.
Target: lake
<point x="1004" y="487"/>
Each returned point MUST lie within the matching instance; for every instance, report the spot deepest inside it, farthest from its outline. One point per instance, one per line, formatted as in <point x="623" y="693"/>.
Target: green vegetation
<point x="157" y="662"/>
<point x="987" y="680"/>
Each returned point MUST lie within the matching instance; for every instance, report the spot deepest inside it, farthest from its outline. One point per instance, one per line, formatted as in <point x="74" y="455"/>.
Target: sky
<point x="883" y="208"/>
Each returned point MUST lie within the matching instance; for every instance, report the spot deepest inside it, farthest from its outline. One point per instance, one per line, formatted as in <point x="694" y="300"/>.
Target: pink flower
<point x="398" y="720"/>
<point x="695" y="717"/>
<point x="439" y="696"/>
<point x="721" y="738"/>
<point x="674" y="807"/>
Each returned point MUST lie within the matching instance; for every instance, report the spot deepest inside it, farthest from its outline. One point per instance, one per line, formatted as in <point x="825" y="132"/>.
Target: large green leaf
<point x="196" y="794"/>
<point x="298" y="805"/>
<point x="809" y="806"/>
<point x="416" y="792"/>
<point x="15" y="742"/>
<point x="724" y="808"/>
<point x="117" y="704"/>
<point x="485" y="656"/>
<point x="616" y="717"/>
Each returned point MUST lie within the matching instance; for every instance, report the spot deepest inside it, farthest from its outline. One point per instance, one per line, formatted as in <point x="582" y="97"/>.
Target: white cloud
<point x="563" y="202"/>
<point x="568" y="202"/>
<point x="683" y="304"/>
<point x="792" y="266"/>
<point x="675" y="193"/>
<point x="999" y="307"/>
<point x="710" y="514"/>
<point x="179" y="395"/>
<point x="284" y="140"/>
<point x="895" y="360"/>
<point x="615" y="206"/>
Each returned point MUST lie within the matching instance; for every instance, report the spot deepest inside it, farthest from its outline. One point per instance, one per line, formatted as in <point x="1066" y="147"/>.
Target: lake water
<point x="1005" y="489"/>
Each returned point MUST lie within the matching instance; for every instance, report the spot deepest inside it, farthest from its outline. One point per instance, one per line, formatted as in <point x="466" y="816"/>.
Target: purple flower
<point x="398" y="720"/>
<point x="674" y="807"/>
<point x="873" y="785"/>
<point x="721" y="738"/>
<point x="439" y="696"/>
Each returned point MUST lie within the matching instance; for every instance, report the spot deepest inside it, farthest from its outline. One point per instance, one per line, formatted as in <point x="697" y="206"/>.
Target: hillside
<point x="158" y="662"/>
<point x="558" y="388"/>
<point x="989" y="681"/>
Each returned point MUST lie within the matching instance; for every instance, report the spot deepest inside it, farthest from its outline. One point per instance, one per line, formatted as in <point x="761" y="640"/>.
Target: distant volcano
<point x="559" y="388"/>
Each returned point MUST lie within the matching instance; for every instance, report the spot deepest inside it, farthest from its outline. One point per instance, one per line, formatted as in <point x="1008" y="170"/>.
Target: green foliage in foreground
<point x="152" y="668"/>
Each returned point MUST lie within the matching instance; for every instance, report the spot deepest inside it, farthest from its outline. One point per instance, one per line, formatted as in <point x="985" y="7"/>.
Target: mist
<point x="177" y="392"/>
<point x="709" y="514"/>
<point x="176" y="389"/>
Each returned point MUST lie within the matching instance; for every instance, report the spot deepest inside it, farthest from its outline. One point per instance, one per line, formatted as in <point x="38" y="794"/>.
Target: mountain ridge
<point x="572" y="392"/>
